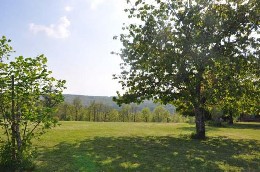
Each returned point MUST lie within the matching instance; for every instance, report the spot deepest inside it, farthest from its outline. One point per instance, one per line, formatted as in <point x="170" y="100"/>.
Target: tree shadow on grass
<point x="152" y="154"/>
<point x="192" y="129"/>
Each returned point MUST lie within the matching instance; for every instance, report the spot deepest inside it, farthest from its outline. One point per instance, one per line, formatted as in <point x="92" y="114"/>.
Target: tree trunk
<point x="199" y="110"/>
<point x="230" y="118"/>
<point x="13" y="126"/>
<point x="65" y="114"/>
<point x="200" y="123"/>
<point x="18" y="135"/>
<point x="94" y="115"/>
<point x="76" y="115"/>
<point x="105" y="117"/>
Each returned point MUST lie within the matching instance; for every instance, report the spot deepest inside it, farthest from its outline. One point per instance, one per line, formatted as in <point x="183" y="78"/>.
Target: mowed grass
<point x="85" y="146"/>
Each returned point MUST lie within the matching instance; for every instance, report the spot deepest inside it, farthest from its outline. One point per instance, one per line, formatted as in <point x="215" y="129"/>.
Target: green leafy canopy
<point x="196" y="53"/>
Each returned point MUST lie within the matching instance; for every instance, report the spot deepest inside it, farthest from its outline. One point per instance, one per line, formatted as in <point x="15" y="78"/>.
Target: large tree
<point x="28" y="99"/>
<point x="170" y="49"/>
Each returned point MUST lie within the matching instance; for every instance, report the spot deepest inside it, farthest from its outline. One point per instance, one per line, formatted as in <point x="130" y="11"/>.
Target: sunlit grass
<point x="72" y="132"/>
<point x="84" y="146"/>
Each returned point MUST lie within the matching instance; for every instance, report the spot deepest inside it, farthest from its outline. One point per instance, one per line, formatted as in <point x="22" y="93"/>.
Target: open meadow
<point x="85" y="146"/>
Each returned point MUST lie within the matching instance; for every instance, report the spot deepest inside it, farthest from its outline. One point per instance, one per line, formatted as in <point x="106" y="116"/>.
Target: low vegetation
<point x="115" y="146"/>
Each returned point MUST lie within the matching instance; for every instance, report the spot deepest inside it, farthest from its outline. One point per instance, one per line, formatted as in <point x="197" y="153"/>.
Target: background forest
<point x="101" y="108"/>
<point x="104" y="109"/>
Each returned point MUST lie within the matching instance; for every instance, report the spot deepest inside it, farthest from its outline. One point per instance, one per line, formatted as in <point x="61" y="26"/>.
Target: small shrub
<point x="190" y="119"/>
<point x="216" y="117"/>
<point x="177" y="118"/>
<point x="26" y="158"/>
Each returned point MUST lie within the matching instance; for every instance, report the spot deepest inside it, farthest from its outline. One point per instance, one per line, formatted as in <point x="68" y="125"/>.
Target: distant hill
<point x="86" y="100"/>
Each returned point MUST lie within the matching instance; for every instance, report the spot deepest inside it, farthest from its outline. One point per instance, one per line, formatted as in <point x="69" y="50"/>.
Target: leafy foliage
<point x="5" y="48"/>
<point x="28" y="96"/>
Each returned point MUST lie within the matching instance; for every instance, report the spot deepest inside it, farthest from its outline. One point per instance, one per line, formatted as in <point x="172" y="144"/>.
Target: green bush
<point x="190" y="119"/>
<point x="216" y="114"/>
<point x="26" y="158"/>
<point x="177" y="118"/>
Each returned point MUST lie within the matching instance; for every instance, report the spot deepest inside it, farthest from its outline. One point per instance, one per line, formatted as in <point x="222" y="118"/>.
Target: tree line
<point x="101" y="112"/>
<point x="98" y="111"/>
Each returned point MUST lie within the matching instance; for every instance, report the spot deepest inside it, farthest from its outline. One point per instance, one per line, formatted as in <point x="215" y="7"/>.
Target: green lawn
<point x="84" y="146"/>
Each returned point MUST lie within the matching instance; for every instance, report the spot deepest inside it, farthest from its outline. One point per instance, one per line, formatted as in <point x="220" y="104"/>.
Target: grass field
<point x="84" y="146"/>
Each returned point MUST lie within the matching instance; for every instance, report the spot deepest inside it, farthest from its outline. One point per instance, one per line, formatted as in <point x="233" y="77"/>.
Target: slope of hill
<point x="86" y="100"/>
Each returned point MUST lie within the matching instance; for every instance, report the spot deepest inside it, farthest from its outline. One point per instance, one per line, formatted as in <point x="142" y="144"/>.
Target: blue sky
<point x="75" y="35"/>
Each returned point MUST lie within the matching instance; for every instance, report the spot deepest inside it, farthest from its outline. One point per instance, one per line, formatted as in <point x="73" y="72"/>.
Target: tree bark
<point x="199" y="110"/>
<point x="200" y="123"/>
<point x="13" y="126"/>
<point x="18" y="134"/>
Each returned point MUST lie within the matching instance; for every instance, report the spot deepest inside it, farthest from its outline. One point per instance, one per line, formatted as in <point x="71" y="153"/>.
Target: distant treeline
<point x="76" y="110"/>
<point x="87" y="100"/>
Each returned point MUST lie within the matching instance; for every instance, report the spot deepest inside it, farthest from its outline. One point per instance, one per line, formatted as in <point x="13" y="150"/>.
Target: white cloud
<point x="59" y="30"/>
<point x="68" y="8"/>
